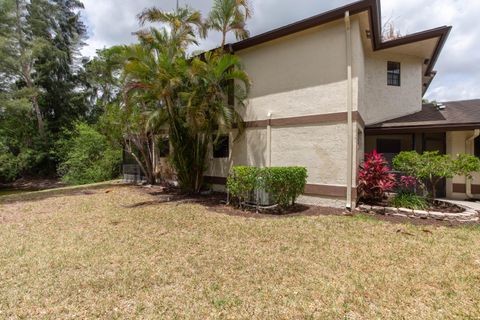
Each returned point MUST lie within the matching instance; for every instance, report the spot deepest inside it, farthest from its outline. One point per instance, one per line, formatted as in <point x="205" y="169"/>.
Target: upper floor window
<point x="393" y="73"/>
<point x="221" y="148"/>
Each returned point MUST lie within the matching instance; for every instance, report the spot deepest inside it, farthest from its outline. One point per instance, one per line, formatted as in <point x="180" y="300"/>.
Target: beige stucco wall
<point x="305" y="74"/>
<point x="358" y="70"/>
<point x="456" y="145"/>
<point x="320" y="148"/>
<point x="301" y="74"/>
<point x="383" y="102"/>
<point x="248" y="150"/>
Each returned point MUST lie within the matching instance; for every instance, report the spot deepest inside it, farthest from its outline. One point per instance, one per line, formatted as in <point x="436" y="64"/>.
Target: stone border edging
<point x="469" y="215"/>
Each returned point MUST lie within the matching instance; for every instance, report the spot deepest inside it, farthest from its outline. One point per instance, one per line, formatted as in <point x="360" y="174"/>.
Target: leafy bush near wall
<point x="285" y="184"/>
<point x="466" y="164"/>
<point x="374" y="177"/>
<point x="431" y="167"/>
<point x="242" y="181"/>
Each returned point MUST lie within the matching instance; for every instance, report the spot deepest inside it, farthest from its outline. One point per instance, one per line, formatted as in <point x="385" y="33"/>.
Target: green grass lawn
<point x="77" y="255"/>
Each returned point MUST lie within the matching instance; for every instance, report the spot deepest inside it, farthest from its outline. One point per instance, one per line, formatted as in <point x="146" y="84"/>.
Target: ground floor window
<point x="164" y="146"/>
<point x="222" y="147"/>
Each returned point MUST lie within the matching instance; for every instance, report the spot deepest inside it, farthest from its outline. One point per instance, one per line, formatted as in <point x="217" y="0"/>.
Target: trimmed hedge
<point x="285" y="184"/>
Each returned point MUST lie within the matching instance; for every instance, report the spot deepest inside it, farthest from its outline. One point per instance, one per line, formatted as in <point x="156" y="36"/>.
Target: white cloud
<point x="112" y="22"/>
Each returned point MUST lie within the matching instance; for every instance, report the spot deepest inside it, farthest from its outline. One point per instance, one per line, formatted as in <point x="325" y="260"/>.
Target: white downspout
<point x="348" y="34"/>
<point x="469" y="150"/>
<point x="154" y="156"/>
<point x="269" y="140"/>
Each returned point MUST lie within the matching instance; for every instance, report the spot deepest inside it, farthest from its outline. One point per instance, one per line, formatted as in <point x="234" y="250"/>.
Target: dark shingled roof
<point x="457" y="115"/>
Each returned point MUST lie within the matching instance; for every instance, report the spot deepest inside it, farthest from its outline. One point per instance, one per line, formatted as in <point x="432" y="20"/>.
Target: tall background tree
<point x="19" y="51"/>
<point x="40" y="66"/>
<point x="58" y="110"/>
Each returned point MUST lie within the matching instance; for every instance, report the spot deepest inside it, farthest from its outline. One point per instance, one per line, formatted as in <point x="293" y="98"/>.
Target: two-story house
<point x="327" y="89"/>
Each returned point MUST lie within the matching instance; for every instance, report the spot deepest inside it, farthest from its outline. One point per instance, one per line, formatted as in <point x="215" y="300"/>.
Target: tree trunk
<point x="434" y="191"/>
<point x="26" y="71"/>
<point x="38" y="113"/>
<point x="224" y="39"/>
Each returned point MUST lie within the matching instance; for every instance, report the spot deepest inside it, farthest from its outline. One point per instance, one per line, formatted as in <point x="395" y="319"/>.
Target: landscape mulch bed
<point x="216" y="202"/>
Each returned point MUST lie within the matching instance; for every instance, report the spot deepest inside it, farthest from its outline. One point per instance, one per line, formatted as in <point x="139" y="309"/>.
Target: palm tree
<point x="190" y="95"/>
<point x="208" y="113"/>
<point x="184" y="24"/>
<point x="230" y="16"/>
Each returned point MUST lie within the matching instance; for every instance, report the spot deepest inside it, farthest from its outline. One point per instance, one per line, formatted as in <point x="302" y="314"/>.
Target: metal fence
<point x="132" y="173"/>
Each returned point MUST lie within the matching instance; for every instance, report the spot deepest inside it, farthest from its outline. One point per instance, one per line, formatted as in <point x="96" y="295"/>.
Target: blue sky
<point x="112" y="22"/>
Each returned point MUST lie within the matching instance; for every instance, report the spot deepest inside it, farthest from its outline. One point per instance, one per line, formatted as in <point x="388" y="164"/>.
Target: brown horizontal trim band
<point x="310" y="189"/>
<point x="306" y="120"/>
<point x="302" y="120"/>
<point x="215" y="180"/>
<point x="426" y="128"/>
<point x="328" y="191"/>
<point x="462" y="188"/>
<point x="256" y="124"/>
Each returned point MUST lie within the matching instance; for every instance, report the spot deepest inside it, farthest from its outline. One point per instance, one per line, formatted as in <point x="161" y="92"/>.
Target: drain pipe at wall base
<point x="269" y="140"/>
<point x="348" y="34"/>
<point x="469" y="150"/>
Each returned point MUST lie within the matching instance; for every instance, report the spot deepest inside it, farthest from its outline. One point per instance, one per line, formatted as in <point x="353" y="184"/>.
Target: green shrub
<point x="9" y="168"/>
<point x="431" y="166"/>
<point x="242" y="181"/>
<point x="409" y="200"/>
<point x="285" y="184"/>
<point x="87" y="157"/>
<point x="466" y="164"/>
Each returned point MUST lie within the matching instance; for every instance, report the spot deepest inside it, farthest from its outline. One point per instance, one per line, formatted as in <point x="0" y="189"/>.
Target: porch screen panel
<point x="389" y="147"/>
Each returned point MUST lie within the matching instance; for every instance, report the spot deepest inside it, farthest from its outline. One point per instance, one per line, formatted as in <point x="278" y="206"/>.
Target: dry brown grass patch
<point x="98" y="256"/>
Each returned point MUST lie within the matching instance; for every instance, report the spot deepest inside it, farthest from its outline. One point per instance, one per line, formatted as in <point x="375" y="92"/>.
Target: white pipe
<point x="469" y="150"/>
<point x="154" y="156"/>
<point x="269" y="140"/>
<point x="348" y="34"/>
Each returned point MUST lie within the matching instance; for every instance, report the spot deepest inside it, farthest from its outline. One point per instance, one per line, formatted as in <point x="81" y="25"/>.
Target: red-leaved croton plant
<point x="375" y="177"/>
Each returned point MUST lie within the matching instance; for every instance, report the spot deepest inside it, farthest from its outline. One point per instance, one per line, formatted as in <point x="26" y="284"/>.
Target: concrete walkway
<point x="474" y="205"/>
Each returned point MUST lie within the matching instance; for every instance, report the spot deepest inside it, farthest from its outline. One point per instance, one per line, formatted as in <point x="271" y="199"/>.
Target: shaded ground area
<point x="96" y="253"/>
<point x="29" y="184"/>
